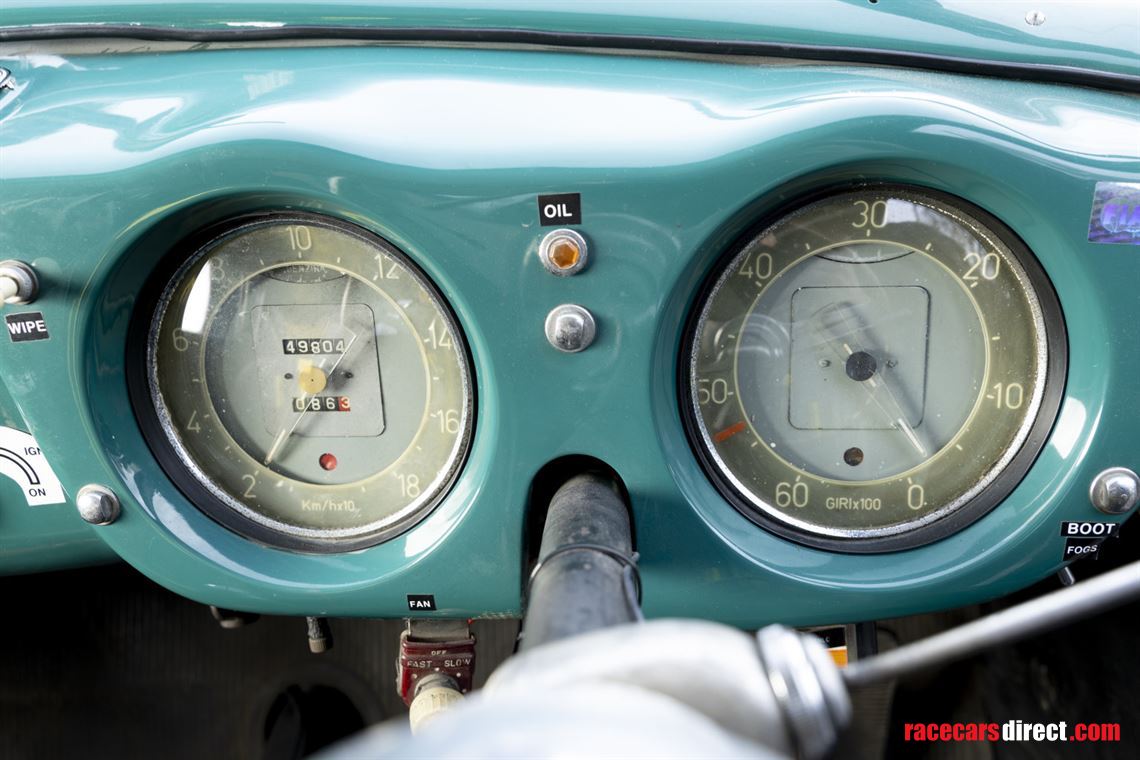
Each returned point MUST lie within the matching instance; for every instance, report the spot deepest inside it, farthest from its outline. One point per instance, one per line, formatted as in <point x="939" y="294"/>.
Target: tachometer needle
<point x="827" y="330"/>
<point x="908" y="431"/>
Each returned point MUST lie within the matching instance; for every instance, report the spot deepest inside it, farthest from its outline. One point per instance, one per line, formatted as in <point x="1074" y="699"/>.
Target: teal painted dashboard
<point x="108" y="159"/>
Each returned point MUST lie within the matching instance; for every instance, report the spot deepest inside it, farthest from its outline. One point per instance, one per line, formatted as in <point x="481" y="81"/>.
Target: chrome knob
<point x="18" y="282"/>
<point x="1115" y="491"/>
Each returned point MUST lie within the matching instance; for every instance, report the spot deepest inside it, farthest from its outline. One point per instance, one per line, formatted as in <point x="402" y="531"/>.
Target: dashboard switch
<point x="320" y="634"/>
<point x="431" y="647"/>
<point x="18" y="282"/>
<point x="1115" y="491"/>
<point x="435" y="693"/>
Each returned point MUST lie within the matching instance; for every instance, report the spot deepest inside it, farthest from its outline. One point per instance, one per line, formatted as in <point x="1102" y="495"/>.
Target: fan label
<point x="27" y="326"/>
<point x="421" y="602"/>
<point x="564" y="208"/>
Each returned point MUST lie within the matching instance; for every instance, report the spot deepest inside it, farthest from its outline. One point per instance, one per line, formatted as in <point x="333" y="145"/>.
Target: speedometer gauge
<point x="304" y="383"/>
<point x="874" y="370"/>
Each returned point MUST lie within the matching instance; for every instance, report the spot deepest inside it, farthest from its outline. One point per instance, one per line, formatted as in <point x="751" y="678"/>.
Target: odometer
<point x="304" y="383"/>
<point x="874" y="370"/>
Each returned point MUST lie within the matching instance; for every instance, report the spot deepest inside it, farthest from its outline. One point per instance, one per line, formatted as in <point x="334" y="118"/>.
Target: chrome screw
<point x="570" y="328"/>
<point x="97" y="505"/>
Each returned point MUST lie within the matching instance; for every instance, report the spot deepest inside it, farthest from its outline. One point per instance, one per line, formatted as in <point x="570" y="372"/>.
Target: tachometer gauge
<point x="305" y="384"/>
<point x="874" y="370"/>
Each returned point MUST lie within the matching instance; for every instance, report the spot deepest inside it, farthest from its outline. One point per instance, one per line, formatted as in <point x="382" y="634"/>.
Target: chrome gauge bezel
<point x="177" y="462"/>
<point x="947" y="519"/>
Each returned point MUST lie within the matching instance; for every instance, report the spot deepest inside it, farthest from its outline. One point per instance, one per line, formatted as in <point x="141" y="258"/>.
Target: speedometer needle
<point x="286" y="432"/>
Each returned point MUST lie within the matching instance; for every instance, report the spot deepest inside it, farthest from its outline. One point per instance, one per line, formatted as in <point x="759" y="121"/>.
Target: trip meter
<point x="304" y="383"/>
<point x="874" y="370"/>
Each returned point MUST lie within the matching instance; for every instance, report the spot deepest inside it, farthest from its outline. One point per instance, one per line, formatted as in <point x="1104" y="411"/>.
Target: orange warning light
<point x="565" y="253"/>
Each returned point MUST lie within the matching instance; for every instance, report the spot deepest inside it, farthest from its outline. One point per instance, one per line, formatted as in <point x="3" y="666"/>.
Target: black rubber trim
<point x="1032" y="72"/>
<point x="1056" y="377"/>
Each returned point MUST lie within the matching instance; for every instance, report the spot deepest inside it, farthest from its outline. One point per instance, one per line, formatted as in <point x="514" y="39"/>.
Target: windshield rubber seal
<point x="1032" y="72"/>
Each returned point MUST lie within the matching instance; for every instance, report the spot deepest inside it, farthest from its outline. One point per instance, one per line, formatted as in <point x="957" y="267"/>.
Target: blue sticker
<point x="1115" y="213"/>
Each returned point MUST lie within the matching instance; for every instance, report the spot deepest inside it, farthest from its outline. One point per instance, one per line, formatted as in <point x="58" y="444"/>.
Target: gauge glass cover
<point x="874" y="370"/>
<point x="310" y="387"/>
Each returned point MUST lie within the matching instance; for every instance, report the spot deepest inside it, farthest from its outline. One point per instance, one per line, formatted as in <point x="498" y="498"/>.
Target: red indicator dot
<point x="328" y="462"/>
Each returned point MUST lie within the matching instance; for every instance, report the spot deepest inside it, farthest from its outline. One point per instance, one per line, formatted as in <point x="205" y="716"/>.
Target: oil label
<point x="560" y="209"/>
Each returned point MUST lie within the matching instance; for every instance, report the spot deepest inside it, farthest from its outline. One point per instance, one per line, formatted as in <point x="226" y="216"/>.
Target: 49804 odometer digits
<point x="874" y="370"/>
<point x="304" y="383"/>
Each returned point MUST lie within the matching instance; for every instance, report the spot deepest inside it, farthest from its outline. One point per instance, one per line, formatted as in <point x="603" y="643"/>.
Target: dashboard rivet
<point x="1035" y="18"/>
<point x="563" y="252"/>
<point x="1115" y="491"/>
<point x="97" y="505"/>
<point x="570" y="328"/>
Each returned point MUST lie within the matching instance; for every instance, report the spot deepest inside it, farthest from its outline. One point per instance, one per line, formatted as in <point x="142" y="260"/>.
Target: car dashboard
<point x="319" y="317"/>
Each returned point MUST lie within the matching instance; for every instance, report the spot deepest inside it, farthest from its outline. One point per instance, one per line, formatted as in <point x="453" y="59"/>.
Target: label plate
<point x="22" y="460"/>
